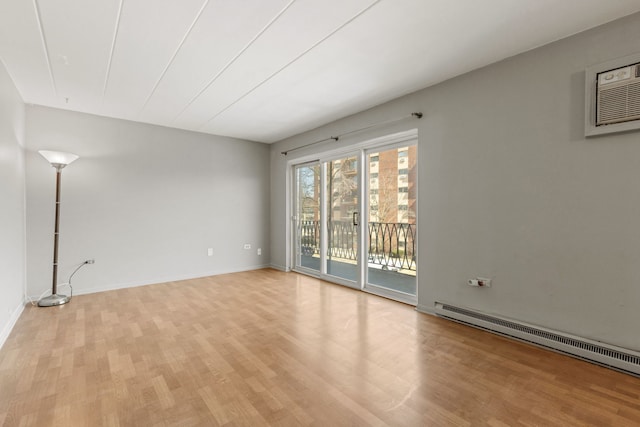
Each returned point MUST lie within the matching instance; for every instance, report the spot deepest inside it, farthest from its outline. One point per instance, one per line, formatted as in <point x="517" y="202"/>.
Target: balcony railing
<point x="391" y="244"/>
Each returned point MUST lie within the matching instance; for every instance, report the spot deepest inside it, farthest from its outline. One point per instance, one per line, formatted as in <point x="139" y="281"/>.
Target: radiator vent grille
<point x="540" y="336"/>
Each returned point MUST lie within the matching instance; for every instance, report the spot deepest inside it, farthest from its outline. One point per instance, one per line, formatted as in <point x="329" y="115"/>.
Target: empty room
<point x="327" y="213"/>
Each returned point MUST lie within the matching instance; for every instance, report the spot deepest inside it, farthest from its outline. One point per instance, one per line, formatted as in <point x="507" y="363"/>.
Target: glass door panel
<point x="391" y="232"/>
<point x="307" y="216"/>
<point x="343" y="217"/>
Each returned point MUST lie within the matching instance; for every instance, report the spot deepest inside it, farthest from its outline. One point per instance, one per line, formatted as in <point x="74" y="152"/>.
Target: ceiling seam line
<point x="234" y="59"/>
<point x="43" y="39"/>
<point x="113" y="48"/>
<point x="173" y="57"/>
<point x="290" y="63"/>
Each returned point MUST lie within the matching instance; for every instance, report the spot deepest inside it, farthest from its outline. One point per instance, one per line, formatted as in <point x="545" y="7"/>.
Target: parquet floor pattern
<point x="271" y="348"/>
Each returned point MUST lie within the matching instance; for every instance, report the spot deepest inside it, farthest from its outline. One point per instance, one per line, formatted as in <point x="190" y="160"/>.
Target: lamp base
<point x="54" y="299"/>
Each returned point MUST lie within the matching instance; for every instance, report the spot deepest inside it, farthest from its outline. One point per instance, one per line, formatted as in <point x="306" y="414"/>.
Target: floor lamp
<point x="58" y="160"/>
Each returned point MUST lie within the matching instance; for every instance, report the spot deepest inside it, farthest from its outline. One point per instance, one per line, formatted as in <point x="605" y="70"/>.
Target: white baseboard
<point x="160" y="279"/>
<point x="15" y="315"/>
<point x="279" y="267"/>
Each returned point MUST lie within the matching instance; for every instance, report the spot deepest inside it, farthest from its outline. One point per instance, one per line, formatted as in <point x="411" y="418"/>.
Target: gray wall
<point x="144" y="201"/>
<point x="510" y="189"/>
<point x="12" y="248"/>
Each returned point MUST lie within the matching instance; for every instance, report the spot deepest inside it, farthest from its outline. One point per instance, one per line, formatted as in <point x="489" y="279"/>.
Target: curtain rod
<point x="336" y="138"/>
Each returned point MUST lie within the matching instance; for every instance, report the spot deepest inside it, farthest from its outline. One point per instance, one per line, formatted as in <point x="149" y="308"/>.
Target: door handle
<point x="356" y="218"/>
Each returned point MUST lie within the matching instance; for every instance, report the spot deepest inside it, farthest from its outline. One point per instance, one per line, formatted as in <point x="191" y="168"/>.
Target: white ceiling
<point x="264" y="70"/>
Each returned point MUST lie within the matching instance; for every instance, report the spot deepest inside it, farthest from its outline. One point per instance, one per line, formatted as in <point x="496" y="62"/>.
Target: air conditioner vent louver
<point x="613" y="104"/>
<point x="634" y="99"/>
<point x="600" y="353"/>
<point x="618" y="95"/>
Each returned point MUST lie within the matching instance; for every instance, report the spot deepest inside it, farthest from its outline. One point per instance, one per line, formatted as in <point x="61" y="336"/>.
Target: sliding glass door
<point x="355" y="219"/>
<point x="327" y="213"/>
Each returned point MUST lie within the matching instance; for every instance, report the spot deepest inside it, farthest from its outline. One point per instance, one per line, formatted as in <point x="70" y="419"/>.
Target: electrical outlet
<point x="259" y="251"/>
<point x="247" y="246"/>
<point x="480" y="282"/>
<point x="210" y="252"/>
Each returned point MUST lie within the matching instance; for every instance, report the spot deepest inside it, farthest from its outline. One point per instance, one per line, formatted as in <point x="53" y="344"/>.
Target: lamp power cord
<point x="67" y="283"/>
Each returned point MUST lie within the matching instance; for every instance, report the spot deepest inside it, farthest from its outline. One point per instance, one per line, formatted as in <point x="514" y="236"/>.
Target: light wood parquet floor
<point x="271" y="348"/>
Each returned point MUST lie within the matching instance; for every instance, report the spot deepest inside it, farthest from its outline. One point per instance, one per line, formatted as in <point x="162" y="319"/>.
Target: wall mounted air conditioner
<point x="613" y="96"/>
<point x="618" y="96"/>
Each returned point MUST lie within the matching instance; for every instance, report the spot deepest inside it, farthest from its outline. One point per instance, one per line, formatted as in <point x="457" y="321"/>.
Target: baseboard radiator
<point x="617" y="358"/>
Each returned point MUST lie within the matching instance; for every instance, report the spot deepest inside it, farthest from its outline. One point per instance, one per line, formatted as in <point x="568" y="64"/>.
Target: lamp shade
<point x="58" y="158"/>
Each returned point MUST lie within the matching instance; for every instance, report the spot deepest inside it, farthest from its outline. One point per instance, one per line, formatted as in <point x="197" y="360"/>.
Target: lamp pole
<point x="58" y="160"/>
<point x="56" y="233"/>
